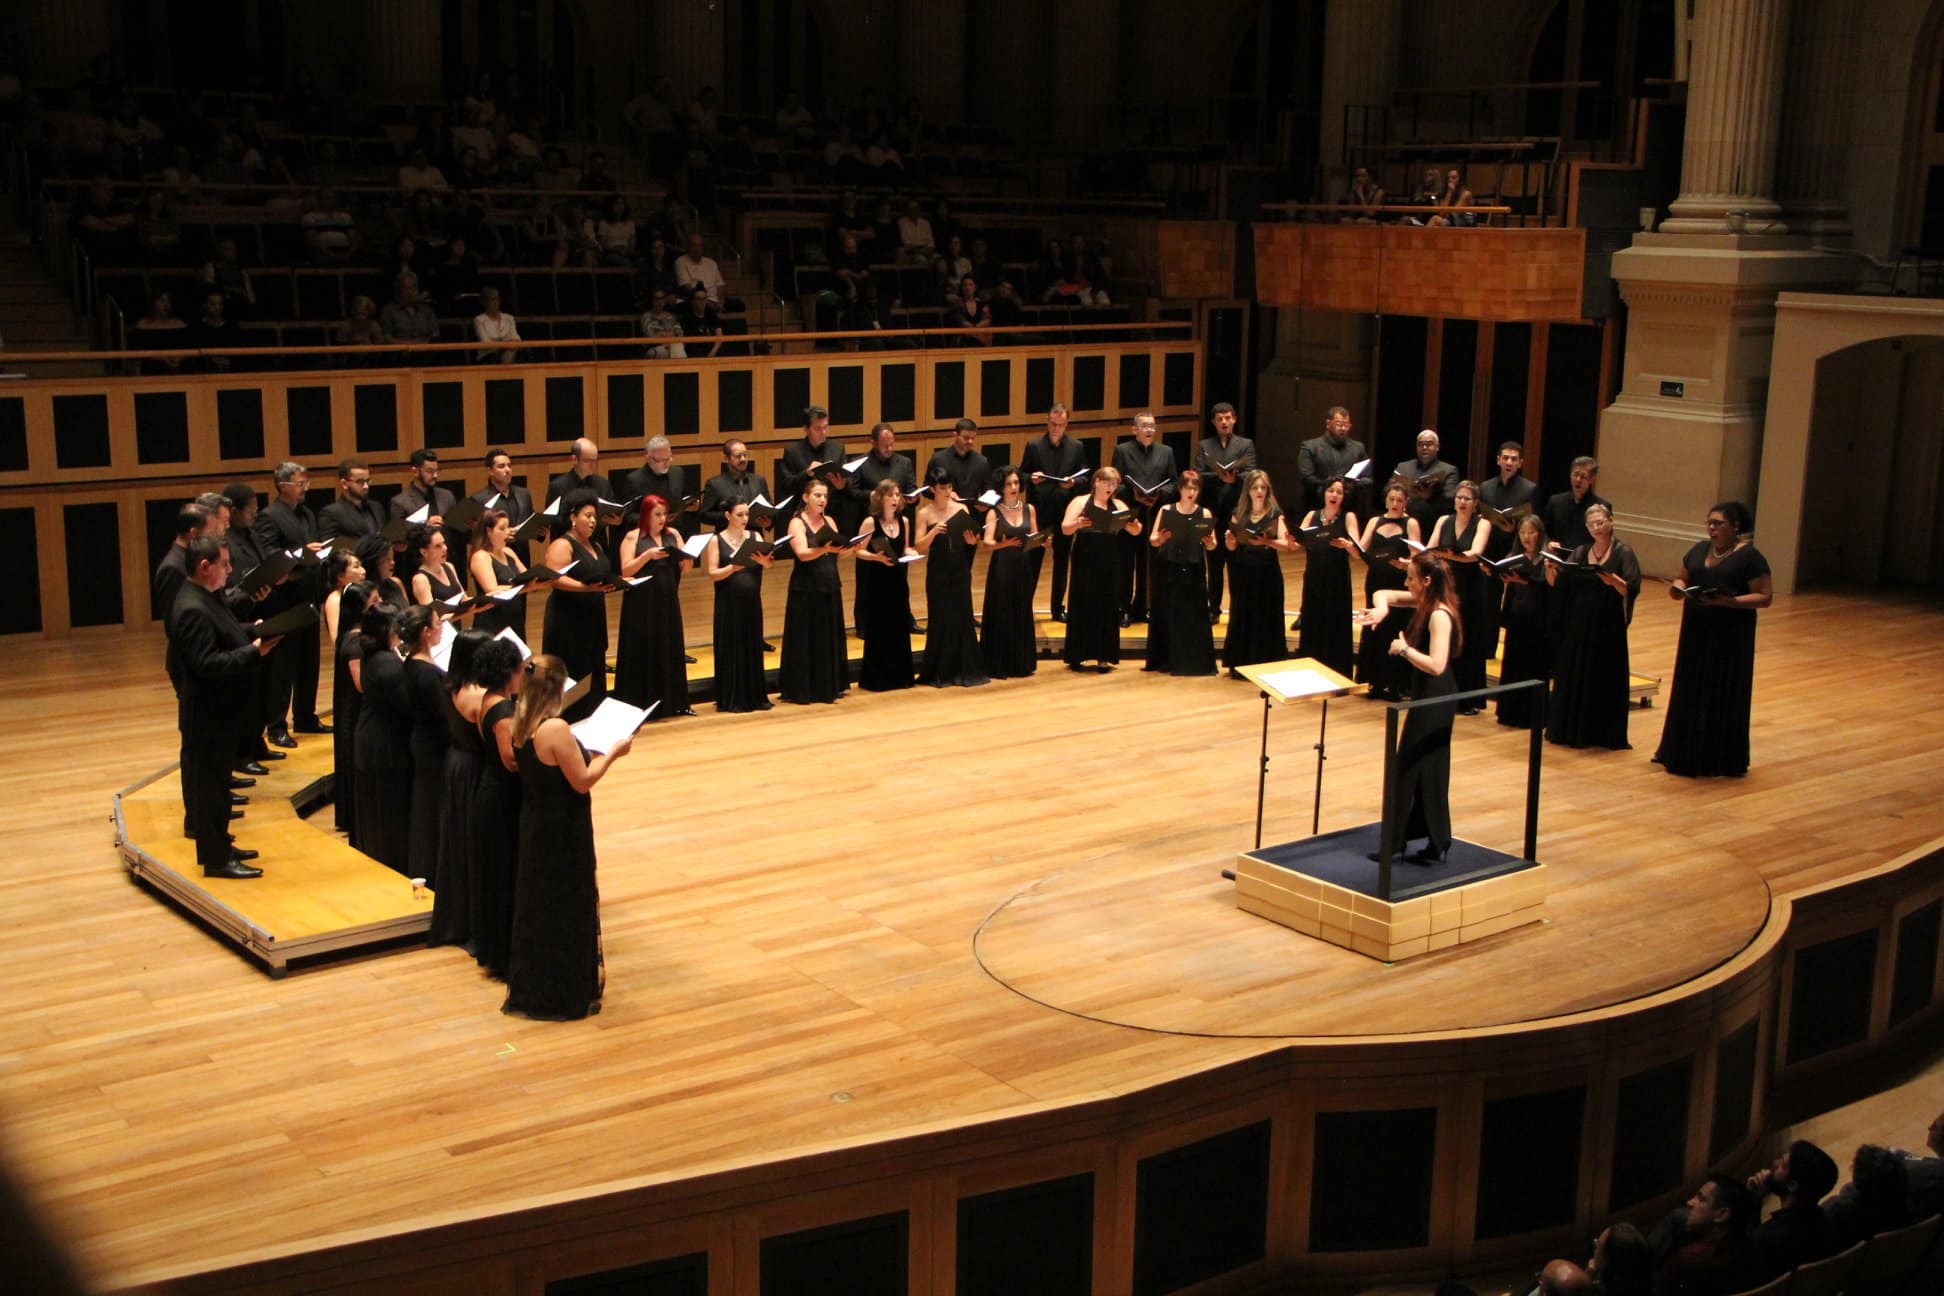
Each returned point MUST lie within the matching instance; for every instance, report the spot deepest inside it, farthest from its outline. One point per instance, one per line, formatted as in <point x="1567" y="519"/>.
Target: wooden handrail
<point x="1399" y="209"/>
<point x="48" y="357"/>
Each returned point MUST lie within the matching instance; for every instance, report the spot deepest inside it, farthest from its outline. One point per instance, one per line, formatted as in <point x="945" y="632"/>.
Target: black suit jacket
<point x="411" y="499"/>
<point x="724" y="490"/>
<point x="279" y="526"/>
<point x="215" y="656"/>
<point x="171" y="574"/>
<point x="517" y="501"/>
<point x="342" y="517"/>
<point x="671" y="486"/>
<point x="800" y="460"/>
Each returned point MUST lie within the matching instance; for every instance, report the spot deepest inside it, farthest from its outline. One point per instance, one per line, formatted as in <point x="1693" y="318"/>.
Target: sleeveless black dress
<point x="1590" y="667"/>
<point x="1386" y="675"/>
<point x="739" y="682"/>
<point x="1008" y="641"/>
<point x="1256" y="595"/>
<point x="443" y="588"/>
<point x="814" y="666"/>
<point x="496" y="846"/>
<point x="512" y="614"/>
<point x="346" y="701"/>
<point x="1093" y="608"/>
<point x="575" y="628"/>
<point x="648" y="665"/>
<point x="1326" y="631"/>
<point x="1186" y="642"/>
<point x="431" y="739"/>
<point x="1424" y="754"/>
<point x="556" y="971"/>
<point x="1706" y="730"/>
<point x="884" y="616"/>
<point x="1468" y="583"/>
<point x="453" y="875"/>
<point x="1526" y="618"/>
<point x="952" y="653"/>
<point x="382" y="828"/>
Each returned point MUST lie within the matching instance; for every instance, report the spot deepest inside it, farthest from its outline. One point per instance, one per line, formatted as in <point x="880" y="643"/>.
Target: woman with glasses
<point x="1723" y="580"/>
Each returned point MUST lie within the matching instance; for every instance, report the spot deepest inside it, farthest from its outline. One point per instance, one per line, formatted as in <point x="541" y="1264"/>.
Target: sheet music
<point x="1297" y="683"/>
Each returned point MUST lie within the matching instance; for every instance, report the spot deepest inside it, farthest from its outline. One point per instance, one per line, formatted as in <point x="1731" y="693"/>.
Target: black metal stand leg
<point x="1316" y="810"/>
<point x="1262" y="771"/>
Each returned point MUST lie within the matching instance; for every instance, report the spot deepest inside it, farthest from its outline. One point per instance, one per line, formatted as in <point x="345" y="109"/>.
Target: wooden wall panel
<point x="1279" y="264"/>
<point x="1194" y="258"/>
<point x="1481" y="274"/>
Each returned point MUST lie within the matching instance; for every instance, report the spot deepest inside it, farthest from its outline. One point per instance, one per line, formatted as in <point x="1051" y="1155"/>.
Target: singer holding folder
<point x="1093" y="598"/>
<point x="495" y="565"/>
<point x="814" y="666"/>
<point x="1598" y="583"/>
<point x="575" y="627"/>
<point x="735" y="560"/>
<point x="650" y="663"/>
<point x="1256" y="538"/>
<point x="1006" y="636"/>
<point x="884" y="593"/>
<point x="1383" y="554"/>
<point x="1724" y="579"/>
<point x="1326" y="539"/>
<point x="946" y="532"/>
<point x="555" y="970"/>
<point x="1180" y="640"/>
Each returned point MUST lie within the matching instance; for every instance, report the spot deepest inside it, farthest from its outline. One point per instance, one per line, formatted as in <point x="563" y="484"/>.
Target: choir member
<point x="288" y="524"/>
<point x="1257" y="537"/>
<point x="1093" y="622"/>
<point x="818" y="458"/>
<point x="353" y="513"/>
<point x="1526" y="617"/>
<point x="457" y="845"/>
<point x="555" y="970"/>
<point x="970" y="471"/>
<point x="945" y="533"/>
<point x="1723" y="580"/>
<point x="341" y="568"/>
<point x="884" y="463"/>
<point x="1459" y="537"/>
<point x="1056" y="465"/>
<point x="1429" y="645"/>
<point x="435" y="579"/>
<point x="496" y="806"/>
<point x="1223" y="459"/>
<point x="381" y="569"/>
<point x="502" y="492"/>
<point x="575" y="625"/>
<point x="814" y="666"/>
<point x="495" y="565"/>
<point x="1565" y="513"/>
<point x="383" y="751"/>
<point x="216" y="659"/>
<point x="1505" y="500"/>
<point x="1590" y="667"/>
<point x="884" y="593"/>
<point x="346" y="699"/>
<point x="1007" y="639"/>
<point x="419" y="633"/>
<point x="1147" y="469"/>
<point x="1383" y="549"/>
<point x="246" y="554"/>
<point x="736" y="483"/>
<point x="650" y="663"/>
<point x="660" y="475"/>
<point x="1179" y="638"/>
<point x="734" y="561"/>
<point x="1328" y="535"/>
<point x="422" y="491"/>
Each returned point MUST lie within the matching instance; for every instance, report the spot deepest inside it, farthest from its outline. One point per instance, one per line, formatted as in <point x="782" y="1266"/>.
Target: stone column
<point x="1816" y="130"/>
<point x="1733" y="118"/>
<point x="1360" y="52"/>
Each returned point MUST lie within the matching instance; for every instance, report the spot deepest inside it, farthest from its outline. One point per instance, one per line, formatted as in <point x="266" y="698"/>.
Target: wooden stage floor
<point x="793" y="905"/>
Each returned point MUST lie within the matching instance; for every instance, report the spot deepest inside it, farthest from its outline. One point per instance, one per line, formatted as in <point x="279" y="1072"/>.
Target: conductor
<point x="218" y="660"/>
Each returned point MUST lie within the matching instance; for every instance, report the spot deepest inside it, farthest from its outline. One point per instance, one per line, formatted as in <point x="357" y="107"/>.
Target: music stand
<point x="1297" y="679"/>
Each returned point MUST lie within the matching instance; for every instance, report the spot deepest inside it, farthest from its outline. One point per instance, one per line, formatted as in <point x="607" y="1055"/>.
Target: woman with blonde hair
<point x="1257" y="537"/>
<point x="1093" y="618"/>
<point x="555" y="971"/>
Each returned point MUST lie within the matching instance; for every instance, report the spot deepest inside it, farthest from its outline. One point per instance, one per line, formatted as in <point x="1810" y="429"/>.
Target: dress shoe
<point x="248" y="767"/>
<point x="689" y="661"/>
<point x="238" y="799"/>
<point x="313" y="727"/>
<point x="282" y="738"/>
<point x="1214" y="616"/>
<point x="242" y="854"/>
<point x="1426" y="855"/>
<point x="236" y="782"/>
<point x="1059" y="614"/>
<point x="684" y="711"/>
<point x="272" y="755"/>
<point x="231" y="869"/>
<point x="1127" y="619"/>
<point x="768" y="646"/>
<point x="235" y="815"/>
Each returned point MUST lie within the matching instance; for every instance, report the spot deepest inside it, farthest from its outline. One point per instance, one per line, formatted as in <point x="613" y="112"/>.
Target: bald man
<point x="585" y="474"/>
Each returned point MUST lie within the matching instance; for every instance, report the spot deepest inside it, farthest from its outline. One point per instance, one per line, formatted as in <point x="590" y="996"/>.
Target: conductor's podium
<point x="317" y="896"/>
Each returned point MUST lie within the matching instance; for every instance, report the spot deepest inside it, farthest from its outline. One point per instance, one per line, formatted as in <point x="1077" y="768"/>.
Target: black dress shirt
<point x="341" y="517"/>
<point x="1062" y="460"/>
<point x="1152" y="464"/>
<point x="1566" y="519"/>
<point x="877" y="468"/>
<point x="1211" y="459"/>
<point x="970" y="474"/>
<point x="727" y="488"/>
<point x="801" y="459"/>
<point x="1319" y="459"/>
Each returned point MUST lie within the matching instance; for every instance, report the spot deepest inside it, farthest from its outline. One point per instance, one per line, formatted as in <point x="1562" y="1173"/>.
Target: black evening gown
<point x="1325" y="635"/>
<point x="1008" y="639"/>
<point x="430" y="741"/>
<point x="1526" y="619"/>
<point x="1469" y="584"/>
<point x="575" y="628"/>
<point x="1179" y="577"/>
<point x="443" y="588"/>
<point x="1386" y="675"/>
<point x="345" y="704"/>
<point x="814" y="666"/>
<point x="382" y="828"/>
<point x="509" y="615"/>
<point x="1256" y="594"/>
<point x="457" y="856"/>
<point x="951" y="640"/>
<point x="1424" y="754"/>
<point x="496" y="846"/>
<point x="884" y="617"/>
<point x="555" y="972"/>
<point x="1590" y="666"/>
<point x="739" y="683"/>
<point x="1093" y="607"/>
<point x="1706" y="730"/>
<point x="648" y="665"/>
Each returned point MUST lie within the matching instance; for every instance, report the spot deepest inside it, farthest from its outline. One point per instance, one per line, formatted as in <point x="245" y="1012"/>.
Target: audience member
<point x="214" y="329"/>
<point x="1451" y="194"/>
<point x="696" y="268"/>
<point x="329" y="230"/>
<point x="494" y="325"/>
<point x="361" y="327"/>
<point x="409" y="316"/>
<point x="225" y="272"/>
<point x="614" y="233"/>
<point x="1798" y="1231"/>
<point x="419" y="173"/>
<point x="1873" y="1201"/>
<point x="1704" y="1248"/>
<point x="1623" y="1262"/>
<point x="700" y="320"/>
<point x="160" y="329"/>
<point x="455" y="280"/>
<point x="157" y="231"/>
<point x="915" y="239"/>
<point x="1364" y="197"/>
<point x="103" y="224"/>
<point x="659" y="322"/>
